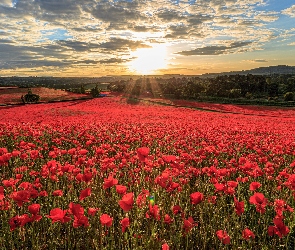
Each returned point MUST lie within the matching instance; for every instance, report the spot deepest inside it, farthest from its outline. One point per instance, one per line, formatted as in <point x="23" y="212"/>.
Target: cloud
<point x="257" y="61"/>
<point x="113" y="61"/>
<point x="77" y="45"/>
<point x="103" y="33"/>
<point x="289" y="11"/>
<point x="214" y="49"/>
<point x="115" y="44"/>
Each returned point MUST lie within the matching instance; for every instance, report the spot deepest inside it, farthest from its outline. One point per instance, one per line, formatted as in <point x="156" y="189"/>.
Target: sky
<point x="91" y="38"/>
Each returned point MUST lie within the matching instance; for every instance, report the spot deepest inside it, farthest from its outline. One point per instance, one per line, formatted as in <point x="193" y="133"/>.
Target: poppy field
<point x="106" y="174"/>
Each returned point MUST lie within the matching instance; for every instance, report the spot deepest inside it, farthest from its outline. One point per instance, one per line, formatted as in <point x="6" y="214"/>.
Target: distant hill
<point x="279" y="69"/>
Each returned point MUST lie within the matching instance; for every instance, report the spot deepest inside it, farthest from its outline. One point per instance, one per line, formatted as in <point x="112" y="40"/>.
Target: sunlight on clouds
<point x="149" y="60"/>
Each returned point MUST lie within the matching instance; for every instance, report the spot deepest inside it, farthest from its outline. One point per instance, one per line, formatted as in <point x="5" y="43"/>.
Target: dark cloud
<point x="169" y="15"/>
<point x="78" y="46"/>
<point x="178" y="31"/>
<point x="5" y="41"/>
<point x="119" y="44"/>
<point x="214" y="50"/>
<point x="117" y="14"/>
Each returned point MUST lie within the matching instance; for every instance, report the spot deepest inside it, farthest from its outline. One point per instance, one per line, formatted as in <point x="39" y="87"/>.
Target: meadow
<point x="107" y="174"/>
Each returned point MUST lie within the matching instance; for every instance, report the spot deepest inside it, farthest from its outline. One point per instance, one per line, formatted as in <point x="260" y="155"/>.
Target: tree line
<point x="222" y="86"/>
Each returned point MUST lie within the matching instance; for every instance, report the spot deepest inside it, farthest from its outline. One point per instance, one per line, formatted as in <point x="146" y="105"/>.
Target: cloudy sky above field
<point x="101" y="37"/>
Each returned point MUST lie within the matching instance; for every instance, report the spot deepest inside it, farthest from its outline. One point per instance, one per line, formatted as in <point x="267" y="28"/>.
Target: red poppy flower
<point x="85" y="193"/>
<point x="76" y="209"/>
<point x="254" y="185"/>
<point x="176" y="209"/>
<point x="1" y="193"/>
<point x="196" y="198"/>
<point x="212" y="199"/>
<point x="259" y="201"/>
<point x="80" y="221"/>
<point x="124" y="224"/>
<point x="188" y="224"/>
<point x="248" y="234"/>
<point x="34" y="208"/>
<point x="142" y="197"/>
<point x="154" y="212"/>
<point x="43" y="193"/>
<point x="106" y="220"/>
<point x="20" y="197"/>
<point x="279" y="229"/>
<point x="109" y="182"/>
<point x="167" y="219"/>
<point x="142" y="153"/>
<point x="239" y="206"/>
<point x="92" y="211"/>
<point x="83" y="152"/>
<point x="169" y="158"/>
<point x="165" y="246"/>
<point x="57" y="193"/>
<point x="219" y="187"/>
<point x="87" y="177"/>
<point x="126" y="202"/>
<point x="18" y="221"/>
<point x="223" y="237"/>
<point x="57" y="214"/>
<point x="121" y="189"/>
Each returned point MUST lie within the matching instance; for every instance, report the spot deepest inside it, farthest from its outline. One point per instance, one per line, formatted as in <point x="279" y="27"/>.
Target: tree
<point x="95" y="92"/>
<point x="30" y="97"/>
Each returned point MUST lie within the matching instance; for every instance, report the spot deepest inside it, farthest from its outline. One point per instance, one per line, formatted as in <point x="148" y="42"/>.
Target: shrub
<point x="30" y="97"/>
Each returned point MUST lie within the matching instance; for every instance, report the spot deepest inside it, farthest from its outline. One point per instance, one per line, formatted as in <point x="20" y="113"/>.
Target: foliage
<point x="30" y="97"/>
<point x="95" y="92"/>
<point x="289" y="96"/>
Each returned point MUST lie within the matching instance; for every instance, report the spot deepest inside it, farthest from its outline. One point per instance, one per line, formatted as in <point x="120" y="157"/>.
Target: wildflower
<point x="106" y="220"/>
<point x="126" y="202"/>
<point x="124" y="224"/>
<point x="85" y="193"/>
<point x="165" y="246"/>
<point x="188" y="224"/>
<point x="1" y="193"/>
<point x="80" y="221"/>
<point x="20" y="197"/>
<point x="248" y="234"/>
<point x="34" y="208"/>
<point x="57" y="214"/>
<point x="87" y="177"/>
<point x="196" y="198"/>
<point x="109" y="182"/>
<point x="57" y="193"/>
<point x="154" y="212"/>
<point x="120" y="189"/>
<point x="279" y="228"/>
<point x="259" y="201"/>
<point x="167" y="219"/>
<point x="239" y="206"/>
<point x="76" y="209"/>
<point x="254" y="186"/>
<point x="18" y="221"/>
<point x="142" y="153"/>
<point x="223" y="237"/>
<point x="92" y="211"/>
<point x="142" y="197"/>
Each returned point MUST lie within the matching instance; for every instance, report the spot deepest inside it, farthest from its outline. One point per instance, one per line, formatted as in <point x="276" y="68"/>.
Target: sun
<point x="149" y="60"/>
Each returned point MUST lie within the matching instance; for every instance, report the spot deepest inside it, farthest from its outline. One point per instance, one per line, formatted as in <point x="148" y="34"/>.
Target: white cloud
<point x="289" y="11"/>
